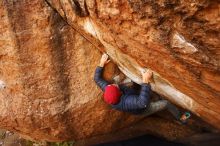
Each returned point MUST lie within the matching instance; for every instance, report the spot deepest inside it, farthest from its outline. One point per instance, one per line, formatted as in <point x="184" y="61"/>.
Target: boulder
<point x="49" y="50"/>
<point x="179" y="41"/>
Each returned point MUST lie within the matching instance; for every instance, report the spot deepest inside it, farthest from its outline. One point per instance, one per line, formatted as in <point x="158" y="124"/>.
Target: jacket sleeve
<point x="98" y="78"/>
<point x="137" y="102"/>
<point x="144" y="97"/>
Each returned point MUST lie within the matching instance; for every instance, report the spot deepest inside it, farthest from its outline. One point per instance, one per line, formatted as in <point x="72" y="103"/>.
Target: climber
<point x="127" y="99"/>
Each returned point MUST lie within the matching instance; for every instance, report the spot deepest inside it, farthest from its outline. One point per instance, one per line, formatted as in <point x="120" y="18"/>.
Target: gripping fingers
<point x="105" y="56"/>
<point x="143" y="71"/>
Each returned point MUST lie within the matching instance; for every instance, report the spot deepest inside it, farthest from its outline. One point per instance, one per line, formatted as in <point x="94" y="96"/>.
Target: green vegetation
<point x="31" y="143"/>
<point x="61" y="143"/>
<point x="2" y="135"/>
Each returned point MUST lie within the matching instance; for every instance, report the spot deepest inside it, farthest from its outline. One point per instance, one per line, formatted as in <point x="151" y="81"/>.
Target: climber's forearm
<point x="101" y="64"/>
<point x="102" y="83"/>
<point x="144" y="97"/>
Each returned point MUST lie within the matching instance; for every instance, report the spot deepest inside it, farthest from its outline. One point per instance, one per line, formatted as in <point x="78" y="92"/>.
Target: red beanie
<point x="112" y="94"/>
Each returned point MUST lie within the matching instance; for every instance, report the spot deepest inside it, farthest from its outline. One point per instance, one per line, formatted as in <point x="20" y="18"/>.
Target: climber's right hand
<point x="104" y="60"/>
<point x="146" y="76"/>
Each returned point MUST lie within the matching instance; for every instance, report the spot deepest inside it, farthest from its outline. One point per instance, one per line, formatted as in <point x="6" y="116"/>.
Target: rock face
<point x="47" y="70"/>
<point x="48" y="54"/>
<point x="177" y="40"/>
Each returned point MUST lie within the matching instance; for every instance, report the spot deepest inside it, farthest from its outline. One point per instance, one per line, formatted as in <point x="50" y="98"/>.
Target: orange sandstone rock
<point x="46" y="67"/>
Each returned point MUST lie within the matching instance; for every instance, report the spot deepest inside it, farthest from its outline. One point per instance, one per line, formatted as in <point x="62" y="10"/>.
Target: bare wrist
<point x="146" y="81"/>
<point x="101" y="65"/>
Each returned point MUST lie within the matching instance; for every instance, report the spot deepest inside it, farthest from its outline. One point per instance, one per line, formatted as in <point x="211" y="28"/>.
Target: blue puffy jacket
<point x="130" y="101"/>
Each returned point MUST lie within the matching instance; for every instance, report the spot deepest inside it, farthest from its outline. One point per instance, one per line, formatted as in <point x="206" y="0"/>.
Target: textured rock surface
<point x="46" y="67"/>
<point x="179" y="40"/>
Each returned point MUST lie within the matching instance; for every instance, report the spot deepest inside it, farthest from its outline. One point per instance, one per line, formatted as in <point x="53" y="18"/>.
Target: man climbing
<point x="126" y="99"/>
